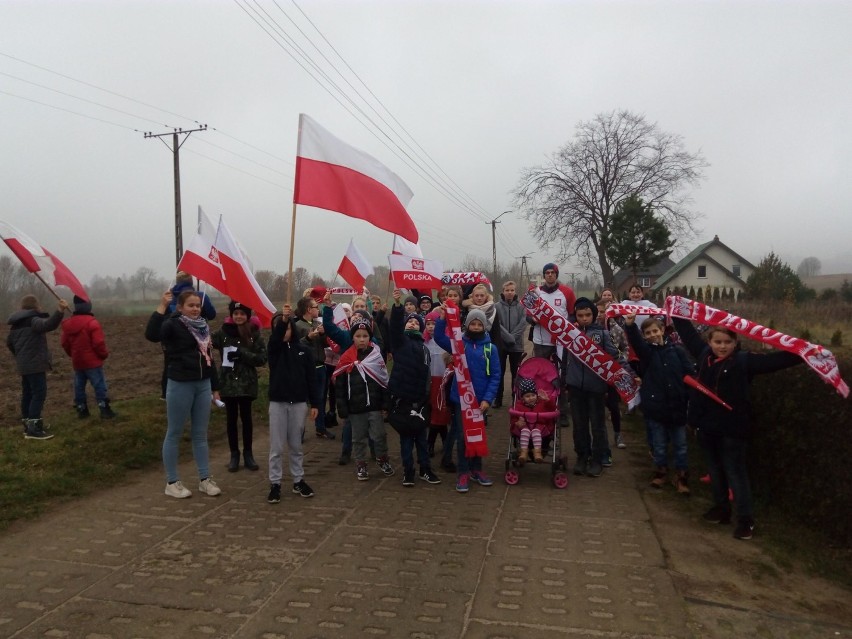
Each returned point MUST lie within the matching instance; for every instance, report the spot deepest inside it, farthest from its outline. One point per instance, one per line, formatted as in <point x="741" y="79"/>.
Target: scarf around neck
<point x="372" y="365"/>
<point x="200" y="330"/>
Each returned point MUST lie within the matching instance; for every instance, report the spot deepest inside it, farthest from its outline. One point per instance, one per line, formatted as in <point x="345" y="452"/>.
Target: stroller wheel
<point x="560" y="480"/>
<point x="512" y="477"/>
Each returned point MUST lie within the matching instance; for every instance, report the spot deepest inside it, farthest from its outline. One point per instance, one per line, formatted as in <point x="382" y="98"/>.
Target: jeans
<point x="661" y="434"/>
<point x="726" y="461"/>
<point x="590" y="437"/>
<point x="321" y="383"/>
<point x="407" y="444"/>
<point x="187" y="400"/>
<point x="98" y="380"/>
<point x="452" y="436"/>
<point x="33" y="394"/>
<point x="286" y="424"/>
<point x="466" y="464"/>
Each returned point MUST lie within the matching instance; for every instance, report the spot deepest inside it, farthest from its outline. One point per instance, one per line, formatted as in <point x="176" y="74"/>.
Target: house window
<point x="735" y="269"/>
<point x="644" y="282"/>
<point x="702" y="271"/>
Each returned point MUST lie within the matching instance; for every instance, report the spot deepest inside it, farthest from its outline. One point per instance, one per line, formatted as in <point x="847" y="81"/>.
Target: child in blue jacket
<point x="483" y="362"/>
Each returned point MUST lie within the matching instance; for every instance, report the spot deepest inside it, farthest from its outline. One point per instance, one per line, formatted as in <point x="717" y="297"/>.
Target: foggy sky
<point x="762" y="89"/>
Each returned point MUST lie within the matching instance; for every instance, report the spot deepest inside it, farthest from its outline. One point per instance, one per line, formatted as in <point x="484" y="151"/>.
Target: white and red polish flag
<point x="332" y="175"/>
<point x="37" y="259"/>
<point x="401" y="246"/>
<point x="239" y="283"/>
<point x="199" y="259"/>
<point x="354" y="267"/>
<point x="415" y="272"/>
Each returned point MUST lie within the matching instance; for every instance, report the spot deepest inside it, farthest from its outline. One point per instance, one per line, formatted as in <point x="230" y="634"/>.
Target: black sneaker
<point x="408" y="478"/>
<point x="274" y="494"/>
<point x="580" y="466"/>
<point x="594" y="469"/>
<point x="744" y="529"/>
<point x="429" y="476"/>
<point x="301" y="488"/>
<point x="718" y="515"/>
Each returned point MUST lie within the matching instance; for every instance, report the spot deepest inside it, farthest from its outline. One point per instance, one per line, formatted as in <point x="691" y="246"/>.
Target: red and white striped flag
<point x="37" y="259"/>
<point x="354" y="267"/>
<point x="239" y="282"/>
<point x="401" y="246"/>
<point x="199" y="259"/>
<point x="332" y="175"/>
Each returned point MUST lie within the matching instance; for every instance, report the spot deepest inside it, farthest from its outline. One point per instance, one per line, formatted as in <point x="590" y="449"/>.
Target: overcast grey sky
<point x="762" y="89"/>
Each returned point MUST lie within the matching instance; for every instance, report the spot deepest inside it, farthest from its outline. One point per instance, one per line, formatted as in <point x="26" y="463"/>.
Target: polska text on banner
<point x="820" y="359"/>
<point x="473" y="423"/>
<point x="614" y="310"/>
<point x="415" y="272"/>
<point x="347" y="290"/>
<point x="465" y="279"/>
<point x="584" y="349"/>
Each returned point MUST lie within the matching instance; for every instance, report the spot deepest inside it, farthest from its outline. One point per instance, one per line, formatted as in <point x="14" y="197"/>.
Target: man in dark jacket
<point x="409" y="388"/>
<point x="28" y="342"/>
<point x="292" y="385"/>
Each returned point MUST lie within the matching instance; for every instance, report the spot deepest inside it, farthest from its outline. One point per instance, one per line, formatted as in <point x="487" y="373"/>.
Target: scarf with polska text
<point x="593" y="357"/>
<point x="615" y="310"/>
<point x="819" y="358"/>
<point x="473" y="423"/>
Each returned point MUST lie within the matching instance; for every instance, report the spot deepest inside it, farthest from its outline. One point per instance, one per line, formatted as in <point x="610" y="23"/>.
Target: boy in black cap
<point x="409" y="387"/>
<point x="361" y="381"/>
<point x="588" y="395"/>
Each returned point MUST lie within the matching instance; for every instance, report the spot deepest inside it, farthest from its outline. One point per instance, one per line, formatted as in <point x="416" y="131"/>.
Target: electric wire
<point x="82" y="115"/>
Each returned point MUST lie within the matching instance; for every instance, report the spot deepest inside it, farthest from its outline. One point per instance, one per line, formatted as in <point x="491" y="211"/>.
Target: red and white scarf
<point x="614" y="310"/>
<point x="819" y="358"/>
<point x="569" y="336"/>
<point x="473" y="423"/>
<point x="372" y="365"/>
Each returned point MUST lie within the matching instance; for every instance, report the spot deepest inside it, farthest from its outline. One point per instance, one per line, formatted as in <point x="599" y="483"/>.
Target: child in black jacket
<point x="409" y="386"/>
<point x="723" y="434"/>
<point x="292" y="385"/>
<point x="664" y="397"/>
<point x="361" y="380"/>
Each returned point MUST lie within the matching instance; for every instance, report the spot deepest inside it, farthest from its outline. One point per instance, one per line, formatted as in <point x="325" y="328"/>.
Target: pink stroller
<point x="546" y="377"/>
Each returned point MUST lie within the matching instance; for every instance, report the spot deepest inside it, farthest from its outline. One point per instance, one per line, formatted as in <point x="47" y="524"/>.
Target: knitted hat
<point x="346" y="306"/>
<point x="415" y="316"/>
<point x="526" y="386"/>
<point x="476" y="314"/>
<point x="362" y="312"/>
<point x="550" y="266"/>
<point x="81" y="306"/>
<point x="433" y="316"/>
<point x="359" y="324"/>
<point x="236" y="306"/>
<point x="585" y="302"/>
<point x="425" y="298"/>
<point x="410" y="300"/>
<point x="318" y="293"/>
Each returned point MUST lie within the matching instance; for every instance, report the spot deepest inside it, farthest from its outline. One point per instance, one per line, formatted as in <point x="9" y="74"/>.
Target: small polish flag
<point x="199" y="258"/>
<point x="37" y="259"/>
<point x="354" y="267"/>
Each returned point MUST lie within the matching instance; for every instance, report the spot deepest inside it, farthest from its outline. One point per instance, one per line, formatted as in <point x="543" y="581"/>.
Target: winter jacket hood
<point x="83" y="340"/>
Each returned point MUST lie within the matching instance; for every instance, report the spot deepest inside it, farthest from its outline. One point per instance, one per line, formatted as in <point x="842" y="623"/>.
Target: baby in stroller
<point x="528" y="423"/>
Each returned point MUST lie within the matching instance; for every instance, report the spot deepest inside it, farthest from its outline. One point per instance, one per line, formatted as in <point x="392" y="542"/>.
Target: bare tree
<point x="569" y="200"/>
<point x="144" y="279"/>
<point x="266" y="281"/>
<point x="809" y="267"/>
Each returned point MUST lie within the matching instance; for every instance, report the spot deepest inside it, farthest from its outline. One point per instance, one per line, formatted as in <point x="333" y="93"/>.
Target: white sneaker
<point x="619" y="441"/>
<point x="209" y="486"/>
<point x="177" y="491"/>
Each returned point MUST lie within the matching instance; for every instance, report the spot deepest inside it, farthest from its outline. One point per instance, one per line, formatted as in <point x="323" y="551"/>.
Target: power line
<point x="82" y="115"/>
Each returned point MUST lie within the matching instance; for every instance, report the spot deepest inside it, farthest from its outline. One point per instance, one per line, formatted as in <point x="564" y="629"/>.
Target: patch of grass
<point x="84" y="456"/>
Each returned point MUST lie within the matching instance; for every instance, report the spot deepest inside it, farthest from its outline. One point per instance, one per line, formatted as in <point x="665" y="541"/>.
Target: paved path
<point x="360" y="559"/>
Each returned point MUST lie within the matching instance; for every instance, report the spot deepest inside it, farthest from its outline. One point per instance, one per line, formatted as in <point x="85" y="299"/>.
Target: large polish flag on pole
<point x="239" y="283"/>
<point x="415" y="272"/>
<point x="354" y="267"/>
<point x="41" y="262"/>
<point x="199" y="258"/>
<point x="333" y="175"/>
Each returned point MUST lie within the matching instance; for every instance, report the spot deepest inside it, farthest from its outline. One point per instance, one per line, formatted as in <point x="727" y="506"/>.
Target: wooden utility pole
<point x="175" y="149"/>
